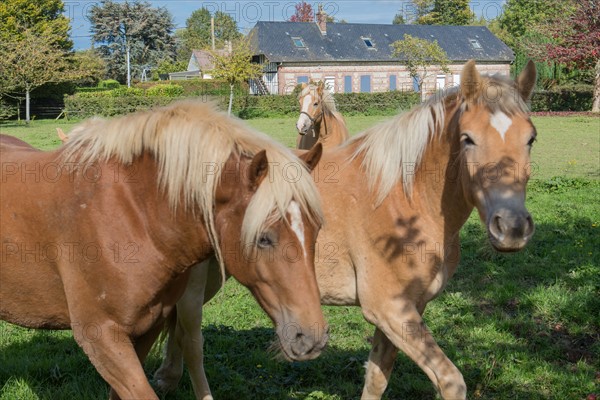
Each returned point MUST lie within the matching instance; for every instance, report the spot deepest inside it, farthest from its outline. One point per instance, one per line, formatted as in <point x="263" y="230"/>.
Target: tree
<point x="235" y="66"/>
<point x="521" y="16"/>
<point x="448" y="12"/>
<point x="196" y="35"/>
<point x="40" y="17"/>
<point x="91" y="66"/>
<point x="304" y="13"/>
<point x="131" y="34"/>
<point x="31" y="61"/>
<point x="398" y="19"/>
<point x="577" y="41"/>
<point x="420" y="55"/>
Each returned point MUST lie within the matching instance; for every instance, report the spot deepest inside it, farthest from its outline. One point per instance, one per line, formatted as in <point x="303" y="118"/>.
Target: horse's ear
<point x="61" y="135"/>
<point x="304" y="85"/>
<point x="312" y="157"/>
<point x="259" y="166"/>
<point x="470" y="81"/>
<point x="526" y="80"/>
<point x="320" y="88"/>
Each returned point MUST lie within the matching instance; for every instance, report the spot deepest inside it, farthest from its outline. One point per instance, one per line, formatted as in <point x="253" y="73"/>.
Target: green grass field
<point x="519" y="326"/>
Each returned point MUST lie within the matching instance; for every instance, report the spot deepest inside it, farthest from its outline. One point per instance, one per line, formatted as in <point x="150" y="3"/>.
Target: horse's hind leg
<point x="171" y="369"/>
<point x="185" y="337"/>
<point x="379" y="367"/>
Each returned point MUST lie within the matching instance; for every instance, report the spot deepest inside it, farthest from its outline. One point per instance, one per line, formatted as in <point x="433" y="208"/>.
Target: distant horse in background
<point x="395" y="208"/>
<point x="119" y="215"/>
<point x="319" y="121"/>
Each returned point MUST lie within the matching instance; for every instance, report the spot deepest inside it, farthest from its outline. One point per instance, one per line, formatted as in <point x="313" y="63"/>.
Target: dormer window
<point x="475" y="44"/>
<point x="368" y="42"/>
<point x="298" y="42"/>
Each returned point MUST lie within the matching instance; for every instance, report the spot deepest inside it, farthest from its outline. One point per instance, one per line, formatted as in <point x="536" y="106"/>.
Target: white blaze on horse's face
<point x="501" y="123"/>
<point x="295" y="218"/>
<point x="304" y="123"/>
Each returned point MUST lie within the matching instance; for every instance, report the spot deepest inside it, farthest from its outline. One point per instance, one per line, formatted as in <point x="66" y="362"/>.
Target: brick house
<point x="358" y="57"/>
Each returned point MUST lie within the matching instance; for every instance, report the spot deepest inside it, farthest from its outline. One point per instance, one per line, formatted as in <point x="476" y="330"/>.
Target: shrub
<point x="577" y="98"/>
<point x="109" y="84"/>
<point x="165" y="90"/>
<point x="78" y="106"/>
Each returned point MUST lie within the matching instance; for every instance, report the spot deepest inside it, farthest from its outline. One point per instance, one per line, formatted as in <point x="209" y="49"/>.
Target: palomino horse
<point x="99" y="236"/>
<point x="394" y="210"/>
<point x="319" y="122"/>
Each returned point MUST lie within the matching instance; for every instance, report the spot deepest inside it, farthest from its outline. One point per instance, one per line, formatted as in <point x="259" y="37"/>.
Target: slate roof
<point x="344" y="42"/>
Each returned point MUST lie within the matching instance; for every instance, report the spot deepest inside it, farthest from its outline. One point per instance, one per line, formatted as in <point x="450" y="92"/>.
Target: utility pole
<point x="212" y="31"/>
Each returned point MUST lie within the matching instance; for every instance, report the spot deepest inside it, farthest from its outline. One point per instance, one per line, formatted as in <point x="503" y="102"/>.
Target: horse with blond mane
<point x="118" y="216"/>
<point x="395" y="207"/>
<point x="319" y="121"/>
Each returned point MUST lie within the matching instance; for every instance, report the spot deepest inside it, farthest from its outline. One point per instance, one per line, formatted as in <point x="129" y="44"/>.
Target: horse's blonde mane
<point x="393" y="149"/>
<point x="327" y="98"/>
<point x="191" y="141"/>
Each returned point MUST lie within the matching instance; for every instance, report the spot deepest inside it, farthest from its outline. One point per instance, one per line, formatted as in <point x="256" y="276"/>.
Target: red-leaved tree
<point x="577" y="42"/>
<point x="304" y="13"/>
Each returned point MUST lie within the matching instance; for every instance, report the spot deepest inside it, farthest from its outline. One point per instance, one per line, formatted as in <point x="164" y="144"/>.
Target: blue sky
<point x="247" y="13"/>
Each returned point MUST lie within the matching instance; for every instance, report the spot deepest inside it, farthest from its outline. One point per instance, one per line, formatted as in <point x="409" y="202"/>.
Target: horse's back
<point x="9" y="143"/>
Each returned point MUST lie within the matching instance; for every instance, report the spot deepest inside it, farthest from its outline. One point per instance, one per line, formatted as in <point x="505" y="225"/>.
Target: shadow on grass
<point x="518" y="326"/>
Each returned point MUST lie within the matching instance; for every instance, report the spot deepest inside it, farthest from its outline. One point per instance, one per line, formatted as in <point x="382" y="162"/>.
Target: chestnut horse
<point x="394" y="210"/>
<point x="99" y="235"/>
<point x="319" y="121"/>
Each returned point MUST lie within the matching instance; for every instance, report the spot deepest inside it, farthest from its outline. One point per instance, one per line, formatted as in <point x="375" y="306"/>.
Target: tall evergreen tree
<point x="448" y="12"/>
<point x="197" y="36"/>
<point x="134" y="27"/>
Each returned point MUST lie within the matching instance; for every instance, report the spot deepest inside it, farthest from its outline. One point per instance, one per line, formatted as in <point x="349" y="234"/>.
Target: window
<point x="365" y="83"/>
<point x="416" y="84"/>
<point x="302" y="79"/>
<point x="392" y="83"/>
<point x="347" y="84"/>
<point x="440" y="82"/>
<point x="368" y="42"/>
<point x="456" y="79"/>
<point x="330" y="84"/>
<point x="298" y="42"/>
<point x="475" y="44"/>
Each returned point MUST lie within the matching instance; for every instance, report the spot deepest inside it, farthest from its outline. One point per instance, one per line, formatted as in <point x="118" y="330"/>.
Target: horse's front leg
<point x="403" y="325"/>
<point x="379" y="366"/>
<point x="113" y="354"/>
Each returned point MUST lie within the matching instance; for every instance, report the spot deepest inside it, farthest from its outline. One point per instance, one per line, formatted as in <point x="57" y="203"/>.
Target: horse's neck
<point x="438" y="180"/>
<point x="169" y="228"/>
<point x="332" y="130"/>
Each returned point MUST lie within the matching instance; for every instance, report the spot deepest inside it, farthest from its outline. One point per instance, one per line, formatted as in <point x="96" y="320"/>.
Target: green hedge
<point x="85" y="107"/>
<point x="563" y="99"/>
<point x="385" y="103"/>
<point x="121" y="101"/>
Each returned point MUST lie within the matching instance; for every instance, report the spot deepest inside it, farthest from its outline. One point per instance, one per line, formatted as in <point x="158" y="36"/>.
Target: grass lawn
<point x="518" y="326"/>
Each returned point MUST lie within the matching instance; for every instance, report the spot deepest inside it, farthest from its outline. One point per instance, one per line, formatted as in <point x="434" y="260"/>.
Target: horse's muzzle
<point x="510" y="230"/>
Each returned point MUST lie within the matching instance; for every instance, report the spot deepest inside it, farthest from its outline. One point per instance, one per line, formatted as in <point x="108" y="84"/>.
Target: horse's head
<point x="496" y="136"/>
<point x="311" y="107"/>
<point x="272" y="253"/>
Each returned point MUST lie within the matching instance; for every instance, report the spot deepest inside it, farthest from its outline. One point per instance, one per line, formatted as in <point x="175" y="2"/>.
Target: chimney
<point x="321" y="20"/>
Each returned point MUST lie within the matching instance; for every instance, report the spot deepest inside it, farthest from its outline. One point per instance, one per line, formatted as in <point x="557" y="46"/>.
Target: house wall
<point x="288" y="75"/>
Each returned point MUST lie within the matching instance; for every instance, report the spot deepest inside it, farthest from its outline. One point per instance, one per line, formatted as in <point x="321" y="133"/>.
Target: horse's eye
<point x="264" y="241"/>
<point x="315" y="104"/>
<point x="467" y="140"/>
<point x="531" y="141"/>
